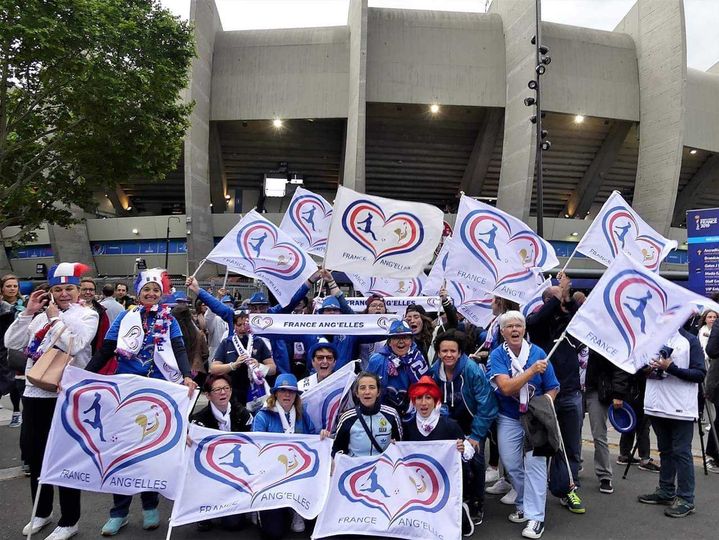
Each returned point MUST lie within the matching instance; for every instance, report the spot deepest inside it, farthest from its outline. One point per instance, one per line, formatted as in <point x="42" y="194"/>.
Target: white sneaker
<point x="499" y="488"/>
<point x="36" y="525"/>
<point x="509" y="498"/>
<point x="298" y="524"/>
<point x="62" y="533"/>
<point x="491" y="475"/>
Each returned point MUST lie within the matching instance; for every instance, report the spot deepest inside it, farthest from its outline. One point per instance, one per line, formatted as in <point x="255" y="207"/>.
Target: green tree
<point x="89" y="98"/>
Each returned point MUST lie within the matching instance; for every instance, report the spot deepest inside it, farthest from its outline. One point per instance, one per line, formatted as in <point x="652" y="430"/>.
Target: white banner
<point x="495" y="252"/>
<point x="231" y="473"/>
<point x="323" y="401"/>
<point x="631" y="313"/>
<point x="386" y="286"/>
<point x="393" y="304"/>
<point x="382" y="237"/>
<point x="307" y="221"/>
<point x="534" y="299"/>
<point x="413" y="490"/>
<point x="618" y="228"/>
<point x="117" y="434"/>
<point x="291" y="324"/>
<point x="258" y="249"/>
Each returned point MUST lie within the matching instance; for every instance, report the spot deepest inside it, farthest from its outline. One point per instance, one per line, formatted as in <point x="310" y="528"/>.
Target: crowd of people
<point x="496" y="391"/>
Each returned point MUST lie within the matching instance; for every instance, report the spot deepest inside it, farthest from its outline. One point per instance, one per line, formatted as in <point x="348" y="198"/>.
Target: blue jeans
<point x="121" y="503"/>
<point x="527" y="473"/>
<point x="570" y="414"/>
<point x="676" y="473"/>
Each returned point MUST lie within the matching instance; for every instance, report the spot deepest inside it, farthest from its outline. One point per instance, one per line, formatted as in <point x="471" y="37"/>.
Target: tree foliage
<point x="90" y="97"/>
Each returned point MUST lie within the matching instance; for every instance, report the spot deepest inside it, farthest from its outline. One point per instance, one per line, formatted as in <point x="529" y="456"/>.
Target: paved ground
<point x="616" y="516"/>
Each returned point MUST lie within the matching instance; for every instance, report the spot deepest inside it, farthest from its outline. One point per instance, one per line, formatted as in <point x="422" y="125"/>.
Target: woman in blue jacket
<point x="282" y="413"/>
<point x="468" y="398"/>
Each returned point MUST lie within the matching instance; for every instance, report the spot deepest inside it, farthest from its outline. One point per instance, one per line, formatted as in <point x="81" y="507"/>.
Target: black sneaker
<point x="467" y="523"/>
<point x="623" y="460"/>
<point x="534" y="529"/>
<point x="476" y="513"/>
<point x="605" y="486"/>
<point x="649" y="465"/>
<point x="679" y="508"/>
<point x="655" y="498"/>
<point x="573" y="502"/>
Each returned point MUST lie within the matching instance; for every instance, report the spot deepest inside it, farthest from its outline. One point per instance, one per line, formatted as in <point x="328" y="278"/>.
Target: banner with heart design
<point x="368" y="286"/>
<point x="495" y="252"/>
<point x="412" y="490"/>
<point x="307" y="221"/>
<point x="379" y="237"/>
<point x="117" y="434"/>
<point x="618" y="228"/>
<point x="295" y="325"/>
<point x="231" y="473"/>
<point x="256" y="248"/>
<point x="632" y="312"/>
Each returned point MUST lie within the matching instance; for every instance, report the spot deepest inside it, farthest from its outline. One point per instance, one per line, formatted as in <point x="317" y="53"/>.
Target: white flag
<point x="231" y="473"/>
<point x="117" y="434"/>
<point x="413" y="490"/>
<point x="382" y="237"/>
<point x="386" y="286"/>
<point x="307" y="221"/>
<point x="257" y="248"/>
<point x="618" y="228"/>
<point x="534" y="299"/>
<point x="293" y="324"/>
<point x="323" y="402"/>
<point x="631" y="313"/>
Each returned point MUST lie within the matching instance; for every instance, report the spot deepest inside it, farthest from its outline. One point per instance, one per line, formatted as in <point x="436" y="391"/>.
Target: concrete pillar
<point x="5" y="267"/>
<point x="206" y="20"/>
<point x="660" y="37"/>
<point x="72" y="244"/>
<point x="353" y="176"/>
<point x="518" y="155"/>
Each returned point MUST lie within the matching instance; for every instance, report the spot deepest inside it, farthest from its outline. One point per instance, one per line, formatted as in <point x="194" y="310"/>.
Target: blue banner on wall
<point x="138" y="247"/>
<point x="703" y="240"/>
<point x="29" y="252"/>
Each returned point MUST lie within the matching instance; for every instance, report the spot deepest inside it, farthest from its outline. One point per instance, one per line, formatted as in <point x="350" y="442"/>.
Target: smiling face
<point x="87" y="291"/>
<point x="150" y="294"/>
<point x="425" y="405"/>
<point x="400" y="345"/>
<point x="286" y="398"/>
<point x="414" y="320"/>
<point x="449" y="354"/>
<point x="367" y="391"/>
<point x="64" y="295"/>
<point x="513" y="333"/>
<point x="324" y="363"/>
<point x="220" y="394"/>
<point x="10" y="290"/>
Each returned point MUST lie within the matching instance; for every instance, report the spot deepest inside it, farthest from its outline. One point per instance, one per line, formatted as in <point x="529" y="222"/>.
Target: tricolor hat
<point x="153" y="275"/>
<point x="623" y="419"/>
<point x="66" y="274"/>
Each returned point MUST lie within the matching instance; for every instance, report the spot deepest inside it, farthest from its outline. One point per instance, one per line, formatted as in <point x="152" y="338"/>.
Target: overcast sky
<point x="702" y="16"/>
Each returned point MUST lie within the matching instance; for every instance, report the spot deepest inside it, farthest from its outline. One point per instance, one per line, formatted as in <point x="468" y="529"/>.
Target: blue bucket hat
<point x="321" y="345"/>
<point x="285" y="381"/>
<point x="227" y="298"/>
<point x="258" y="298"/>
<point x="330" y="302"/>
<point x="623" y="419"/>
<point x="399" y="328"/>
<point x="181" y="297"/>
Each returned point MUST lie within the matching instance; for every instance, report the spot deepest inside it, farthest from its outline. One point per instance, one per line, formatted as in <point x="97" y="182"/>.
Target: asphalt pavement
<point x="616" y="516"/>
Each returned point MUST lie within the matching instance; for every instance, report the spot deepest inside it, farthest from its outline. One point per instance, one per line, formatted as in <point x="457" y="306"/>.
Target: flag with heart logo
<point x="618" y="228"/>
<point x="534" y="299"/>
<point x="324" y="402"/>
<point x="412" y="490"/>
<point x="231" y="473"/>
<point x="374" y="236"/>
<point x="495" y="252"/>
<point x="117" y="434"/>
<point x="257" y="248"/>
<point x="368" y="286"/>
<point x="307" y="221"/>
<point x="632" y="312"/>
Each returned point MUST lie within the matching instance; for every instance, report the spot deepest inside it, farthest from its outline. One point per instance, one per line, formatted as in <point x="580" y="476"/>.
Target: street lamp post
<point x="167" y="241"/>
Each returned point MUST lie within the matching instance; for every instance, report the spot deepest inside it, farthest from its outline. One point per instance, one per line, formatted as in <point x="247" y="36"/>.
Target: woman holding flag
<point x="51" y="319"/>
<point x="147" y="341"/>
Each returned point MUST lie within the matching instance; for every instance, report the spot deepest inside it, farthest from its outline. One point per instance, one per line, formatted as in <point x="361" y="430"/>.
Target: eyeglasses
<point x="220" y="389"/>
<point x="85" y="289"/>
<point x="324" y="357"/>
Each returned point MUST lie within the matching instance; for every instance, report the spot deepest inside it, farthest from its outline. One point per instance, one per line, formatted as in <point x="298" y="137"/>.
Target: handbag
<point x="47" y="371"/>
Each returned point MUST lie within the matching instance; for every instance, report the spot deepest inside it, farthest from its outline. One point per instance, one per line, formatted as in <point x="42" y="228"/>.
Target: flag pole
<point x="169" y="531"/>
<point x="569" y="259"/>
<point x="556" y="345"/>
<point x="227" y="273"/>
<point x="34" y="508"/>
<point x="202" y="262"/>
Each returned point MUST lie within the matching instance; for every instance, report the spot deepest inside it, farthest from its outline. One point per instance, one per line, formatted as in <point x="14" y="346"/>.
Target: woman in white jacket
<point x="46" y="315"/>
